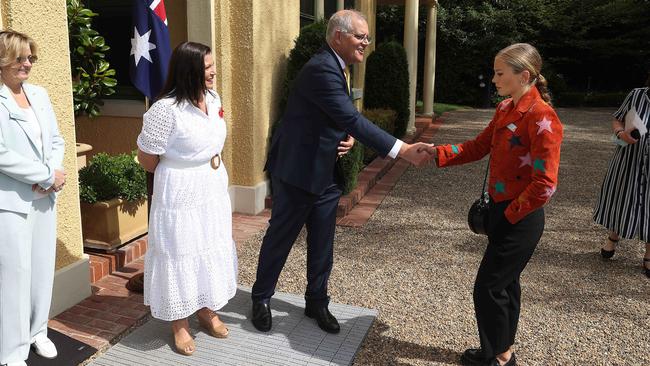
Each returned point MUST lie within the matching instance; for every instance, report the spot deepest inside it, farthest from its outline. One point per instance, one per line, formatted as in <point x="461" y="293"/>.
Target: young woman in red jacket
<point x="524" y="140"/>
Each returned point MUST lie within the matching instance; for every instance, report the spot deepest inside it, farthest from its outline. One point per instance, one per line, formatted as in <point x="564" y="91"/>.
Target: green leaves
<point x="109" y="177"/>
<point x="588" y="46"/>
<point x="387" y="83"/>
<point x="92" y="76"/>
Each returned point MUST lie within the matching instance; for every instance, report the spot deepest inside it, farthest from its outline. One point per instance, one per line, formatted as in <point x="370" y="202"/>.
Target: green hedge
<point x="387" y="83"/>
<point x="309" y="41"/>
<point x="351" y="164"/>
<point x="109" y="177"/>
<point x="384" y="119"/>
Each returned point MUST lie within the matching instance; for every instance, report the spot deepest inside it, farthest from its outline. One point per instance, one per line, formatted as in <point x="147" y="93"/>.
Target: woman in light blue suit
<point x="31" y="173"/>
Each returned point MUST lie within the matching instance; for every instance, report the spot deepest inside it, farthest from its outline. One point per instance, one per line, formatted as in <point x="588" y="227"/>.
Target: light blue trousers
<point x="27" y="256"/>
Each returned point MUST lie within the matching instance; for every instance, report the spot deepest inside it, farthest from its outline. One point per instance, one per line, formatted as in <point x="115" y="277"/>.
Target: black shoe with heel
<point x="473" y="357"/>
<point x="607" y="254"/>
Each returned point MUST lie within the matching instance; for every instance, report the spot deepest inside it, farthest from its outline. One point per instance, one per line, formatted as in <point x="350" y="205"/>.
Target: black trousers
<point x="294" y="208"/>
<point x="497" y="294"/>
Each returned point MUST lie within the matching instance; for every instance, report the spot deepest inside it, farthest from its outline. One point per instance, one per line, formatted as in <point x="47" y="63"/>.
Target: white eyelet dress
<point x="191" y="260"/>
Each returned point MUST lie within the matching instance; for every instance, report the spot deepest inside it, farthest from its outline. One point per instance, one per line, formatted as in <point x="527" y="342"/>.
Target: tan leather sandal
<point x="220" y="331"/>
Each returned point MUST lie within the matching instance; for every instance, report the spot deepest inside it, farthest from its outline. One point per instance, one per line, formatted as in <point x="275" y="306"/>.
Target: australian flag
<point x="150" y="49"/>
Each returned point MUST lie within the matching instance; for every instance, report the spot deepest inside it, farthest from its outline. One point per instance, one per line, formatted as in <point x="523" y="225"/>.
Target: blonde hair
<point x="524" y="57"/>
<point x="12" y="44"/>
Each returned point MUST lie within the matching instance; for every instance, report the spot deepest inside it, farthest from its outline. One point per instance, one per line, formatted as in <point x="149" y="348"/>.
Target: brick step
<point x="104" y="263"/>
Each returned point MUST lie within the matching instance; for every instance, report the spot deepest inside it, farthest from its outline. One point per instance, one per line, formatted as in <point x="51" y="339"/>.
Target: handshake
<point x="417" y="154"/>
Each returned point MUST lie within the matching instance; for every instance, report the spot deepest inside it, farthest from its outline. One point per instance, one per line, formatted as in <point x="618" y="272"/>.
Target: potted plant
<point x="113" y="194"/>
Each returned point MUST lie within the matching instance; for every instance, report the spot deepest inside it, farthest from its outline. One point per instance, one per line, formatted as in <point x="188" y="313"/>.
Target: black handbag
<point x="477" y="218"/>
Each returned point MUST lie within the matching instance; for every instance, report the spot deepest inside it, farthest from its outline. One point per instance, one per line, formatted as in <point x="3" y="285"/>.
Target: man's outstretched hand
<point x="417" y="154"/>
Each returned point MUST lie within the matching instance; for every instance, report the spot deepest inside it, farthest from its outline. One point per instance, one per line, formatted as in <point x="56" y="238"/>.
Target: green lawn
<point x="440" y="108"/>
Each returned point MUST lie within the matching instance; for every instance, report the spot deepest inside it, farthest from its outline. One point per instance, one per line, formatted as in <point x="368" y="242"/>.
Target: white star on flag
<point x="544" y="124"/>
<point x="140" y="46"/>
<point x="525" y="160"/>
<point x="548" y="192"/>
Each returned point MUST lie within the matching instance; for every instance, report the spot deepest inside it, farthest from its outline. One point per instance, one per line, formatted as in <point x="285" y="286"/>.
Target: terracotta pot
<point x="83" y="150"/>
<point x="109" y="224"/>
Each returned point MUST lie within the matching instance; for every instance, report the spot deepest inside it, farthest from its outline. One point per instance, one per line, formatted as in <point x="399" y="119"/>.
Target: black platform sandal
<point x="606" y="254"/>
<point x="647" y="270"/>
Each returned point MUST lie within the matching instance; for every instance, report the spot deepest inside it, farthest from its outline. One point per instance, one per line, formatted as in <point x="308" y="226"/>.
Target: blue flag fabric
<point x="150" y="49"/>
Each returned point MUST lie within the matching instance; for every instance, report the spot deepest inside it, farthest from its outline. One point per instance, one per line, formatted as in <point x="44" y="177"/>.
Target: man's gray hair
<point x="342" y="20"/>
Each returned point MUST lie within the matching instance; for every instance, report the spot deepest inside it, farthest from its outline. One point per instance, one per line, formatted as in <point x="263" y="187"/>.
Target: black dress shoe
<point x="473" y="357"/>
<point x="326" y="321"/>
<point x="261" y="316"/>
<point x="511" y="362"/>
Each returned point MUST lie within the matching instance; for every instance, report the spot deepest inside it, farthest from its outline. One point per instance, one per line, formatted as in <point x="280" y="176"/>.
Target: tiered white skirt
<point x="191" y="259"/>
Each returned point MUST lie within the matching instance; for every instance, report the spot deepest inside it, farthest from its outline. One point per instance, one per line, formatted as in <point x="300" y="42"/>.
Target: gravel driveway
<point x="415" y="262"/>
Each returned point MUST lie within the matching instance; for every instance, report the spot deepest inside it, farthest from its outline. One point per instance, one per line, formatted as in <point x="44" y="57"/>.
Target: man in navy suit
<point x="302" y="164"/>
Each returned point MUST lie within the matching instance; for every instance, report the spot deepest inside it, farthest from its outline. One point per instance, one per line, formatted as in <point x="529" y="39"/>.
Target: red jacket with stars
<point x="524" y="141"/>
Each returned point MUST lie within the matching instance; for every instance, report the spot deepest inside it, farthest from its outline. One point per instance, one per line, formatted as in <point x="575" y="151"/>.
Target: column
<point x="250" y="90"/>
<point x="430" y="59"/>
<point x="411" y="46"/>
<point x="369" y="9"/>
<point x="200" y="22"/>
<point x="319" y="9"/>
<point x="340" y="5"/>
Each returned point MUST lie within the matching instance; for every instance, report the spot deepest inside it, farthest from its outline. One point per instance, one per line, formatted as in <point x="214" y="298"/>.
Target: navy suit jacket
<point x="318" y="116"/>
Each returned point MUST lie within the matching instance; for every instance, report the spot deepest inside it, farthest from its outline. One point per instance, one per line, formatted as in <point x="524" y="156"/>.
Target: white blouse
<point x="182" y="132"/>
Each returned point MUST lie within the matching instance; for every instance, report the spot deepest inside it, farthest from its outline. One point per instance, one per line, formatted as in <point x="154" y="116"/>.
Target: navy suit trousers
<point x="294" y="208"/>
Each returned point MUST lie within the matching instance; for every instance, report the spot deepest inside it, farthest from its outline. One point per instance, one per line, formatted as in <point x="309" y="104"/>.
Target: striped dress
<point x="623" y="205"/>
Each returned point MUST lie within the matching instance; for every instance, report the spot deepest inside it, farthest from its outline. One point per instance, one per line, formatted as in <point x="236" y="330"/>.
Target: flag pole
<point x="136" y="283"/>
<point x="150" y="18"/>
<point x="149" y="175"/>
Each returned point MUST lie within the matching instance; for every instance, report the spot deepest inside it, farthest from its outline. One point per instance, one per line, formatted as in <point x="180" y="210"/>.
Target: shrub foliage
<point x="109" y="177"/>
<point x="384" y="119"/>
<point x="387" y="83"/>
<point x="92" y="77"/>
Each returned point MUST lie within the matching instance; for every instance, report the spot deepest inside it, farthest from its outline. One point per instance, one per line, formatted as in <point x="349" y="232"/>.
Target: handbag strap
<point x="487" y="169"/>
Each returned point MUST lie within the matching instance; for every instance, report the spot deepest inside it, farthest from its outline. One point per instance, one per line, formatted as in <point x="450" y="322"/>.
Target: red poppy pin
<point x="221" y="112"/>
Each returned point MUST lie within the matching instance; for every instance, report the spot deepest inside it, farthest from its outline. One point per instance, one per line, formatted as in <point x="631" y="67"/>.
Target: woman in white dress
<point x="191" y="260"/>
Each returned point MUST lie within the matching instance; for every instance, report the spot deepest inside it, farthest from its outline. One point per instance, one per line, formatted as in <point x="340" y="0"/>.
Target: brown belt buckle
<point x="215" y="162"/>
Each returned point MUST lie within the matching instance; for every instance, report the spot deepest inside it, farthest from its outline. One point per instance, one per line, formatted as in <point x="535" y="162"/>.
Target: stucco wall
<point x="112" y="135"/>
<point x="53" y="72"/>
<point x="253" y="40"/>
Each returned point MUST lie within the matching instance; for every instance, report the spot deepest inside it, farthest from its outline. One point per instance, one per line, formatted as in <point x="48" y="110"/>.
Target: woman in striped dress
<point x="623" y="205"/>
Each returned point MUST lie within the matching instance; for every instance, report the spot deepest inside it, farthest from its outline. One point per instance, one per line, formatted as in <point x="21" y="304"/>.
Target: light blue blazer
<point x="22" y="163"/>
